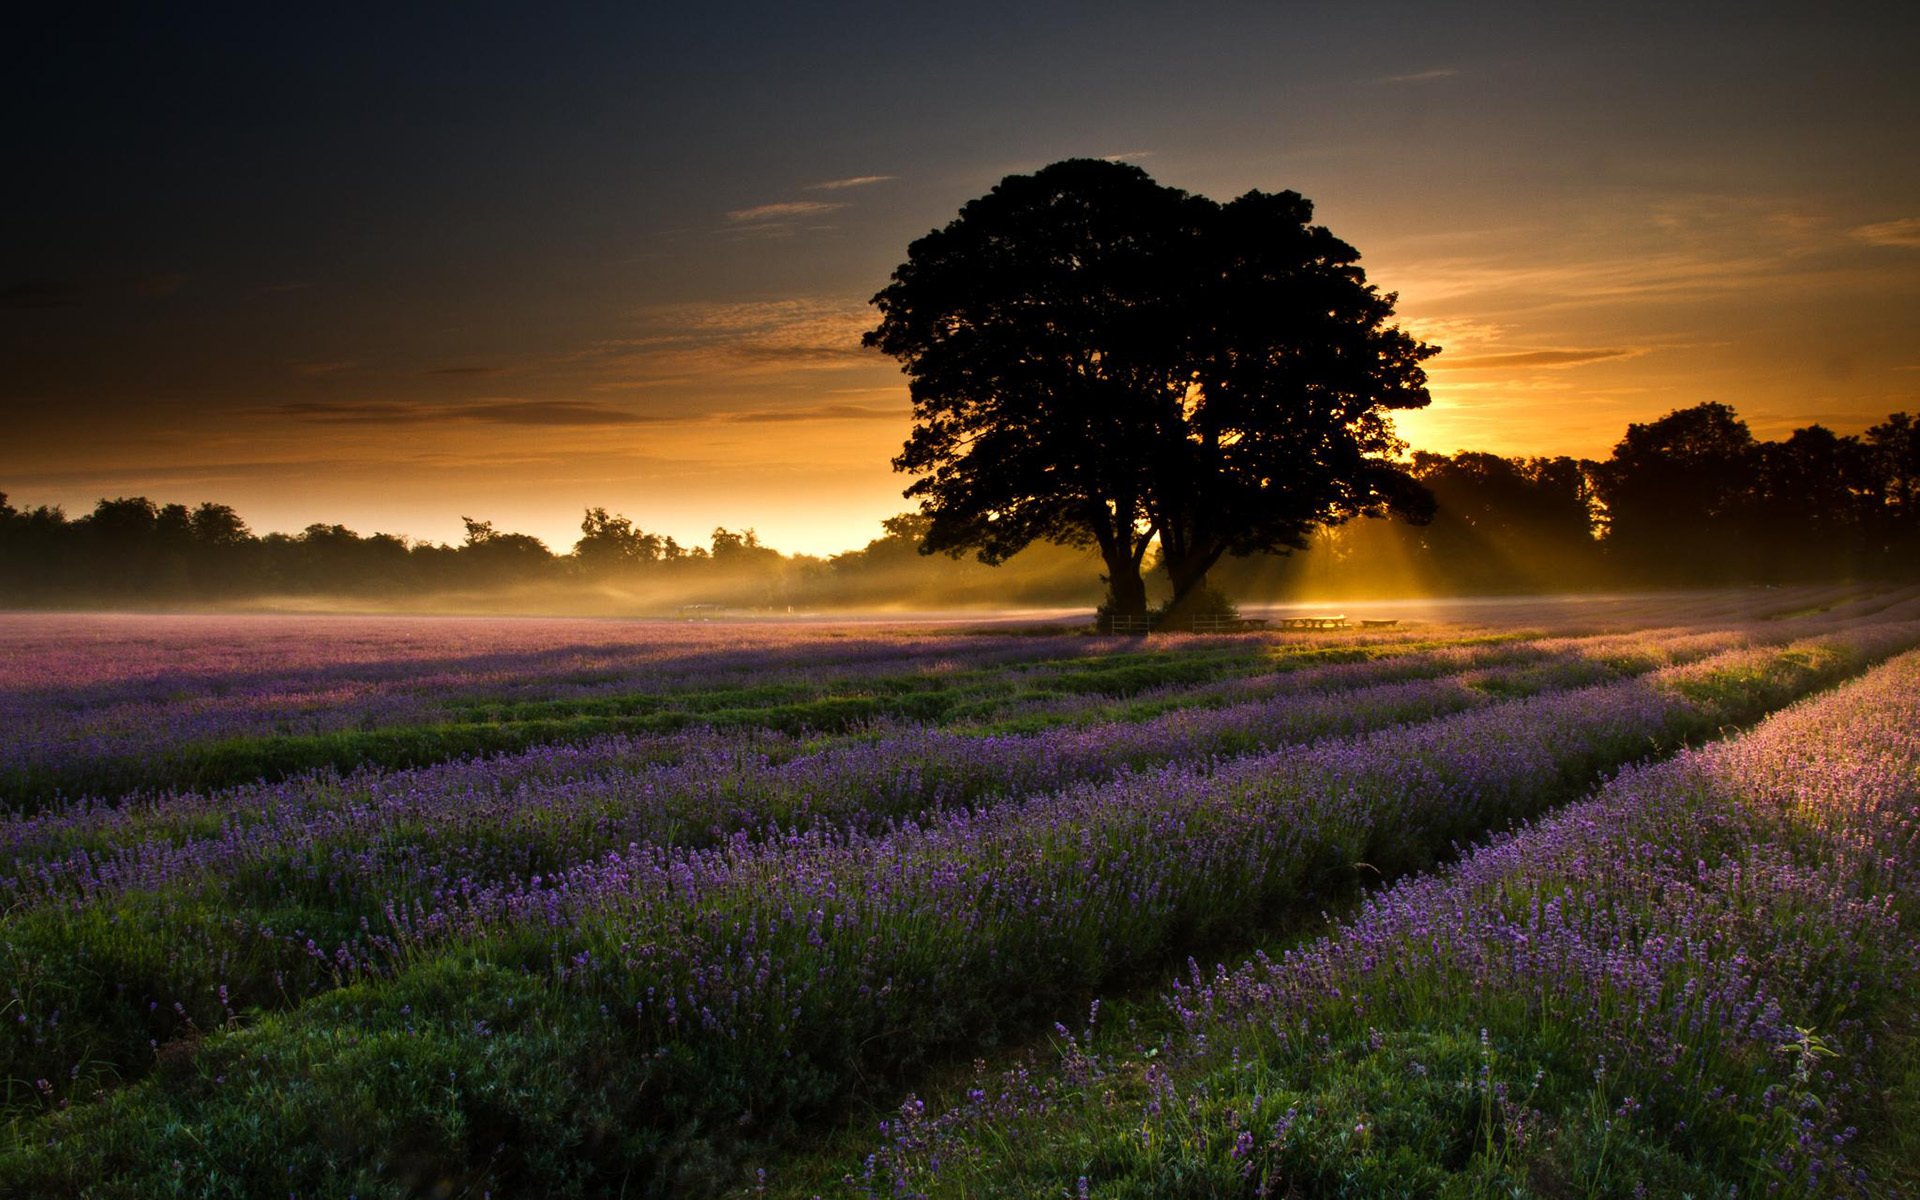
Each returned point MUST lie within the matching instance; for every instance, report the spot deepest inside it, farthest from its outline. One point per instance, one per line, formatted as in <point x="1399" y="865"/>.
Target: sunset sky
<point x="327" y="265"/>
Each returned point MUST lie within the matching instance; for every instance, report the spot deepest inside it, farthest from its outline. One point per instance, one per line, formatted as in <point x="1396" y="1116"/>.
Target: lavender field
<point x="1603" y="900"/>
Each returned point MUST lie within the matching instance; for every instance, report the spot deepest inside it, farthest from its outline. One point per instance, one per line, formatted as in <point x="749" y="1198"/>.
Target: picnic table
<point x="1335" y="622"/>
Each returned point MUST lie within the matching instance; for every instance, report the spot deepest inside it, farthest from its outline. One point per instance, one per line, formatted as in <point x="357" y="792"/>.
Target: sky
<point x="329" y="264"/>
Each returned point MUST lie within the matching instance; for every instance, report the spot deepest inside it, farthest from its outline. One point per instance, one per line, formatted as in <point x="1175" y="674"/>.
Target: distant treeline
<point x="1689" y="499"/>
<point x="132" y="552"/>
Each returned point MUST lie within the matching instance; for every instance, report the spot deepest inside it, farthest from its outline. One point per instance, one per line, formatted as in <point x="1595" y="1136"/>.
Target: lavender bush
<point x="1675" y="987"/>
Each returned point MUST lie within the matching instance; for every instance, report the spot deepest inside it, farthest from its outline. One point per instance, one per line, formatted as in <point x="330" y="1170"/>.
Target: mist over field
<point x="1690" y="500"/>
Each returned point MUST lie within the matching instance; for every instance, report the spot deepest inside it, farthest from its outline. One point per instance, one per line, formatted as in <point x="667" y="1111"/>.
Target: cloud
<point x="1902" y="232"/>
<point x="782" y="211"/>
<point x="818" y="412"/>
<point x="852" y="181"/>
<point x="1433" y="76"/>
<point x="1126" y="156"/>
<point x="761" y="231"/>
<point x="318" y="369"/>
<point x="464" y="371"/>
<point x="683" y="342"/>
<point x="1499" y="285"/>
<point x="1536" y="358"/>
<point x="135" y="477"/>
<point x="495" y="412"/>
<point x="553" y="412"/>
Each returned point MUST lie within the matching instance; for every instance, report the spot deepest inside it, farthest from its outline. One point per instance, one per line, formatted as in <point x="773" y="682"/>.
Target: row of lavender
<point x="78" y="691"/>
<point x="559" y="804"/>
<point x="680" y="995"/>
<point x="1696" y="982"/>
<point x="157" y="702"/>
<point x="201" y="906"/>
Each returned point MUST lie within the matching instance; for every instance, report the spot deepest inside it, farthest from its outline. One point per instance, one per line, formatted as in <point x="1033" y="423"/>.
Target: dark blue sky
<point x="387" y="269"/>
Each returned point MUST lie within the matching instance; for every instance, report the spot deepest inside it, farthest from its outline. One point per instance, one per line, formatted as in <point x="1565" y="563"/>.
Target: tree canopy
<point x="1095" y="358"/>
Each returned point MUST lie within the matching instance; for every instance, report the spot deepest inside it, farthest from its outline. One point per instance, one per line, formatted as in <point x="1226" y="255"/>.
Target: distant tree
<point x="902" y="536"/>
<point x="126" y="523"/>
<point x="1812" y="505"/>
<point x="218" y="525"/>
<point x="609" y="540"/>
<point x="493" y="556"/>
<point x="1895" y="446"/>
<point x="119" y="544"/>
<point x="1506" y="523"/>
<point x="1513" y="498"/>
<point x="1676" y="495"/>
<point x="894" y="553"/>
<point x="479" y="533"/>
<point x="741" y="547"/>
<point x="1094" y="358"/>
<point x="1893" y="449"/>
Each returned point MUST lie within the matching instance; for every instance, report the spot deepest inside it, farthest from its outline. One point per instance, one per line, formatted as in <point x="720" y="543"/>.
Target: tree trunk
<point x="1179" y="614"/>
<point x="1189" y="577"/>
<point x="1126" y="590"/>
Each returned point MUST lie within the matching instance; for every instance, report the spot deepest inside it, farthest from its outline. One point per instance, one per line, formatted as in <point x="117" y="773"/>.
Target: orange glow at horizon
<point x="767" y="414"/>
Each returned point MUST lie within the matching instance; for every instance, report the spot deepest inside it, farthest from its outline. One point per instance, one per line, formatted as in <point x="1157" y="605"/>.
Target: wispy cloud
<point x="464" y="371"/>
<point x="134" y="477"/>
<point x="1503" y="286"/>
<point x="1126" y="156"/>
<point x="1902" y="232"/>
<point x="784" y="211"/>
<point x="553" y="412"/>
<point x="1536" y="358"/>
<point x="688" y="341"/>
<point x="495" y="412"/>
<point x="818" y="412"/>
<point x="852" y="181"/>
<point x="1432" y="76"/>
<point x="320" y="369"/>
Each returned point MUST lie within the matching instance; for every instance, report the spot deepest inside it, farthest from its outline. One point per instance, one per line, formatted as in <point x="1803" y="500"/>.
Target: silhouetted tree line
<point x="1689" y="499"/>
<point x="132" y="549"/>
<point x="134" y="552"/>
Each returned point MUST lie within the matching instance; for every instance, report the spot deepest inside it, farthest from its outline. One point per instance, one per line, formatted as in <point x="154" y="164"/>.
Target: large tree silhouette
<point x="1097" y="359"/>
